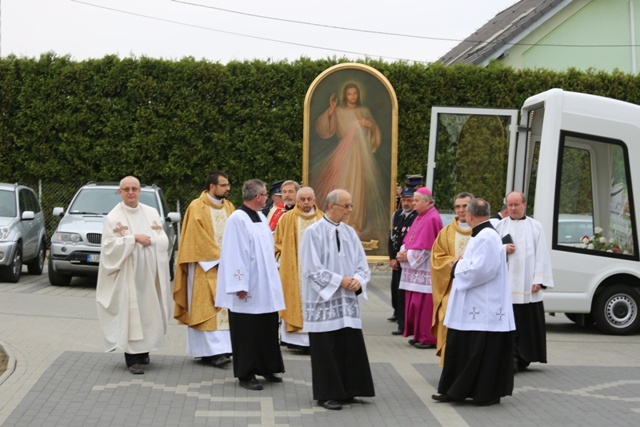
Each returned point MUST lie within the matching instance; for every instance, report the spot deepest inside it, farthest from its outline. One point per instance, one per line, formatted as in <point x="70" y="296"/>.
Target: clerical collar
<point x="331" y="222"/>
<point x="252" y="214"/>
<point x="310" y="213"/>
<point x="214" y="200"/>
<point x="518" y="219"/>
<point x="288" y="208"/>
<point x="480" y="227"/>
<point x="463" y="225"/>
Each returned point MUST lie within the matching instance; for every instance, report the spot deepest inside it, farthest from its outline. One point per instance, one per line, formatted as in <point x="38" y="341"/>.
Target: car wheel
<point x="615" y="310"/>
<point x="12" y="272"/>
<point x="36" y="265"/>
<point x="57" y="279"/>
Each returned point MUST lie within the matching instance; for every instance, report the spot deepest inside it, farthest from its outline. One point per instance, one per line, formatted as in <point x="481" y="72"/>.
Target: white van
<point x="576" y="160"/>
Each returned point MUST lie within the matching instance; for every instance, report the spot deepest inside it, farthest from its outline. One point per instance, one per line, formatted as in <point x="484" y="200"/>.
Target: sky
<point x="228" y="30"/>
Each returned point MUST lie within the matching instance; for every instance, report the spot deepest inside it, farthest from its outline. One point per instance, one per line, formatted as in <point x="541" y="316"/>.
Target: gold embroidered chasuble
<point x="448" y="246"/>
<point x="201" y="240"/>
<point x="287" y="237"/>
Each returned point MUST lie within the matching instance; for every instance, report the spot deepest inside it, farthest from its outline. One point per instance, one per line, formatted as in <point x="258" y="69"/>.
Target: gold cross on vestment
<point x="121" y="229"/>
<point x="157" y="228"/>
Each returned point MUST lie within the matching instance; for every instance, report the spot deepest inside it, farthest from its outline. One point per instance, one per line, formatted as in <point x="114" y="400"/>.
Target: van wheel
<point x="57" y="279"/>
<point x="36" y="265"/>
<point x="12" y="272"/>
<point x="615" y="310"/>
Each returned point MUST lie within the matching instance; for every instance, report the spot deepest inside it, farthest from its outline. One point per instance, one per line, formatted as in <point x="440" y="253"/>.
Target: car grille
<point x="95" y="238"/>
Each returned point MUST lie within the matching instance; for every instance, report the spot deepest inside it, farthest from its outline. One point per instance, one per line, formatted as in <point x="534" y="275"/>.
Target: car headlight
<point x="4" y="232"/>
<point x="67" y="237"/>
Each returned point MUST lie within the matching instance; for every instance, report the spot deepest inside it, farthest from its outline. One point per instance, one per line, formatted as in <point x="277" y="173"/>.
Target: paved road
<point x="61" y="376"/>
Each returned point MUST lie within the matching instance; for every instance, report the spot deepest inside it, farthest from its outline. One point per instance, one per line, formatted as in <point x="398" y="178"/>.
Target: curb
<point x="10" y="366"/>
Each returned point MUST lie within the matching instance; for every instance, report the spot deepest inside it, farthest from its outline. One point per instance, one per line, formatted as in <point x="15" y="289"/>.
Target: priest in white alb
<point x="479" y="318"/>
<point x="249" y="287"/>
<point x="335" y="274"/>
<point x="133" y="292"/>
<point x="530" y="274"/>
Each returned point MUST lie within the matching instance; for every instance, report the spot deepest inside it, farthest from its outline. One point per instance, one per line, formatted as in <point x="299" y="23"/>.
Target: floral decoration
<point x="598" y="242"/>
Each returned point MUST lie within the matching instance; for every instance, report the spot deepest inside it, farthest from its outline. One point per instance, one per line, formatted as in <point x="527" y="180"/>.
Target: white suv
<point x="23" y="236"/>
<point x="75" y="245"/>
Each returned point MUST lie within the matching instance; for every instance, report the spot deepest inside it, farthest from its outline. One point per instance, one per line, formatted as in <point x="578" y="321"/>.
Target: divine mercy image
<point x="350" y="147"/>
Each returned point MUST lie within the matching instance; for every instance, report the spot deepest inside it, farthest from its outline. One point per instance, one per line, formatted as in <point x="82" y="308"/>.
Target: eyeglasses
<point x="222" y="185"/>
<point x="127" y="189"/>
<point x="346" y="205"/>
<point x="263" y="194"/>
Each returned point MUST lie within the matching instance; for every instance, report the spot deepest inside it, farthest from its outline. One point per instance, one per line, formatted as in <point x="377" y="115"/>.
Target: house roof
<point x="497" y="34"/>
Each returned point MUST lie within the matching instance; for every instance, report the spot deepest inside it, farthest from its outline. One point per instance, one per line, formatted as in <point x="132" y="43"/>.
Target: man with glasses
<point x="448" y="248"/>
<point x="133" y="293"/>
<point x="334" y="273"/>
<point x="196" y="279"/>
<point x="250" y="288"/>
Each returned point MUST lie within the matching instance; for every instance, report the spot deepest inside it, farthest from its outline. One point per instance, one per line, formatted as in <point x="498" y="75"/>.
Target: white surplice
<point x="480" y="298"/>
<point x="328" y="306"/>
<point x="531" y="261"/>
<point x="247" y="264"/>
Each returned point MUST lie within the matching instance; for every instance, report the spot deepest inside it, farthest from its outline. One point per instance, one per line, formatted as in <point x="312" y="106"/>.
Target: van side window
<point x="592" y="217"/>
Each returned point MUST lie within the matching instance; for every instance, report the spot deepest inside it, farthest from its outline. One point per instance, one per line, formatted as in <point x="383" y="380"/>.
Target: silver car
<point x="23" y="238"/>
<point x="75" y="245"/>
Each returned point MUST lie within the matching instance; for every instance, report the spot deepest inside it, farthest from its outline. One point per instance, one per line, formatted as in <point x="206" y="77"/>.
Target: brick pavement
<point x="62" y="378"/>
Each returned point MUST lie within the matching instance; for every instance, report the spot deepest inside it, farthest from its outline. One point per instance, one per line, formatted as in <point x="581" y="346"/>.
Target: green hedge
<point x="170" y="122"/>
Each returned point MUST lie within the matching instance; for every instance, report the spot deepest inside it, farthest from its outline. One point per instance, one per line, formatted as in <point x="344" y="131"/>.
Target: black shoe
<point x="250" y="383"/>
<point x="219" y="361"/>
<point x="487" y="402"/>
<point x="412" y="342"/>
<point x="330" y="404"/>
<point x="422" y="346"/>
<point x="273" y="378"/>
<point x="136" y="369"/>
<point x="443" y="398"/>
<point x="397" y="332"/>
<point x="392" y="318"/>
